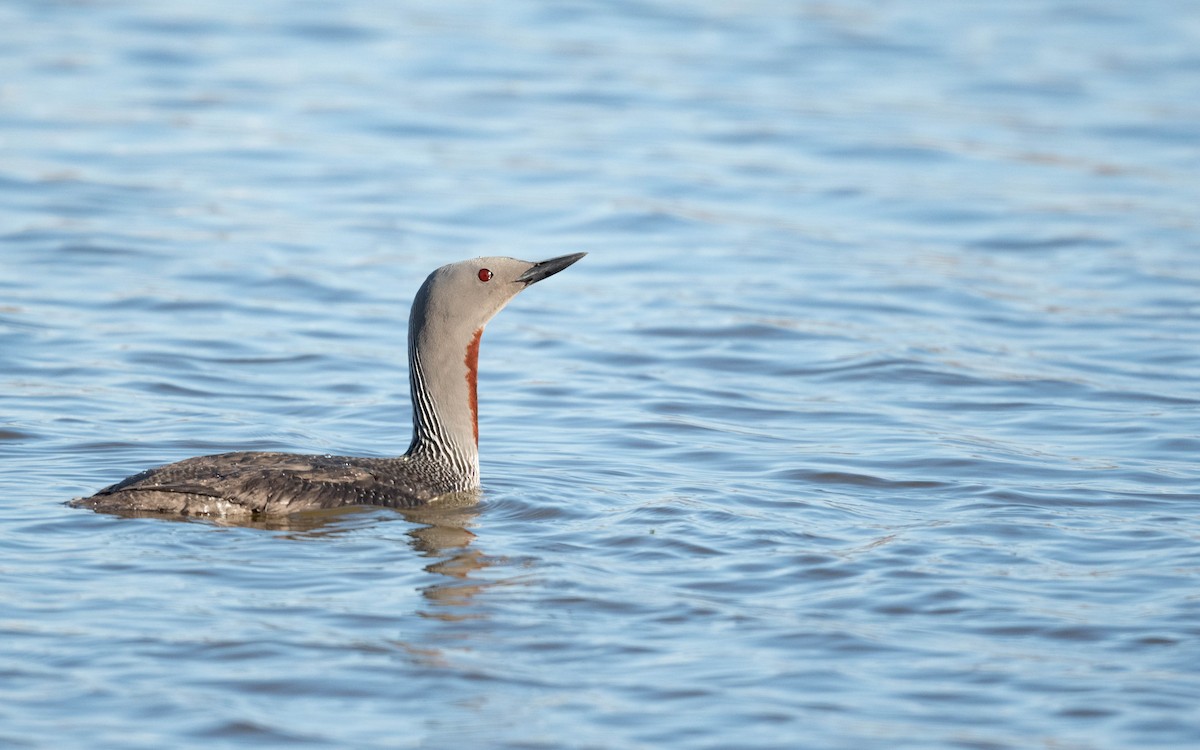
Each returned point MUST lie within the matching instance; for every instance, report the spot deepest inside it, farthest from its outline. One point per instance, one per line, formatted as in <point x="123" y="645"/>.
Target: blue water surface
<point x="871" y="420"/>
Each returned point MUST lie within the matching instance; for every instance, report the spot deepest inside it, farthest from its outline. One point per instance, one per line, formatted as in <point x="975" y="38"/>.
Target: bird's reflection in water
<point x="440" y="542"/>
<point x="443" y="534"/>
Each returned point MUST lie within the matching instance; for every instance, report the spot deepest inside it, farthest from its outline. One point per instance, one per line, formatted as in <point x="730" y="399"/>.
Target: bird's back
<point x="252" y="483"/>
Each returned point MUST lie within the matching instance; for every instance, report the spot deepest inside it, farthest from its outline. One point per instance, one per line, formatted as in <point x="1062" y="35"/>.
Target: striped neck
<point x="443" y="371"/>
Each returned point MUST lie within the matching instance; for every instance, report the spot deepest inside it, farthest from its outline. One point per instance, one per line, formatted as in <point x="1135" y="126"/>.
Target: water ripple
<point x="870" y="419"/>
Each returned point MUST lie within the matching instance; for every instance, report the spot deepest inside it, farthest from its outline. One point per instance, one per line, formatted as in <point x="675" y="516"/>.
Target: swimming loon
<point x="448" y="315"/>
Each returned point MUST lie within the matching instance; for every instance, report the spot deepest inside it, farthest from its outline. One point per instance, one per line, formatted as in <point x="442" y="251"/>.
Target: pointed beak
<point x="547" y="268"/>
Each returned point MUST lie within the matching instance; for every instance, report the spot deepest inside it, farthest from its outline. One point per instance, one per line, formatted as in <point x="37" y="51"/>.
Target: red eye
<point x="485" y="274"/>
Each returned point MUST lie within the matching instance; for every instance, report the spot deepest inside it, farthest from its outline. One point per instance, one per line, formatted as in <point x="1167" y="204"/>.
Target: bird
<point x="448" y="315"/>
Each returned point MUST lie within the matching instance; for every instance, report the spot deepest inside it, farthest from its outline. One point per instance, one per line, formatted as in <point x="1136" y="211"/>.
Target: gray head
<point x="459" y="299"/>
<point x="447" y="320"/>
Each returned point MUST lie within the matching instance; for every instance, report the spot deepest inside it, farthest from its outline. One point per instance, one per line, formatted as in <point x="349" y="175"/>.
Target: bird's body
<point x="445" y="326"/>
<point x="255" y="483"/>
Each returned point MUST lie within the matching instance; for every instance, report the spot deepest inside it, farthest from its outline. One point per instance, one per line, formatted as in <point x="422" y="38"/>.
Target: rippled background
<point x="872" y="419"/>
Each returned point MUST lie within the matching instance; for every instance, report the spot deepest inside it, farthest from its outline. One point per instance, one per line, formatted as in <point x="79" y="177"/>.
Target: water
<point x="870" y="421"/>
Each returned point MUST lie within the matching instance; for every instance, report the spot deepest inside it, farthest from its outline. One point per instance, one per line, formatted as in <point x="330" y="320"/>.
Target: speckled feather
<point x="258" y="483"/>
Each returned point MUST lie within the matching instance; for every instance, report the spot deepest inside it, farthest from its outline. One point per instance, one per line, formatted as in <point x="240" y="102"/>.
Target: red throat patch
<point x="472" y="363"/>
